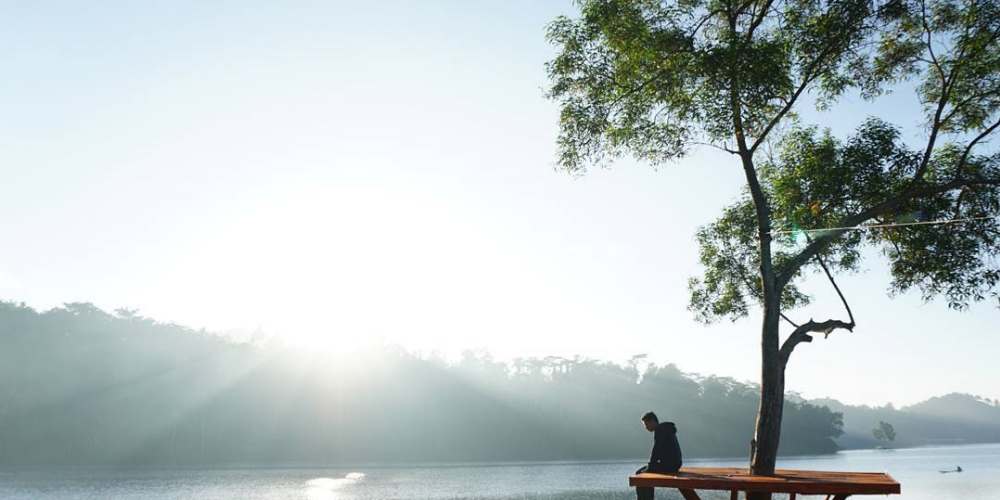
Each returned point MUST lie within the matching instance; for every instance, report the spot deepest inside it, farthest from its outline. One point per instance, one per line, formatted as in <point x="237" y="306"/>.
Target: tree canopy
<point x="653" y="78"/>
<point x="884" y="432"/>
<point x="817" y="181"/>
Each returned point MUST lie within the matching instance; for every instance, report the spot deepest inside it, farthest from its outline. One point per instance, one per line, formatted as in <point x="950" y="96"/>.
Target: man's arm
<point x="657" y="454"/>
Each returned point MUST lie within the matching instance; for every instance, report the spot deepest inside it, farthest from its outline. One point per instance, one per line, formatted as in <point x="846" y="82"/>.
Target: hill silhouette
<point x="950" y="419"/>
<point x="79" y="385"/>
<point x="82" y="386"/>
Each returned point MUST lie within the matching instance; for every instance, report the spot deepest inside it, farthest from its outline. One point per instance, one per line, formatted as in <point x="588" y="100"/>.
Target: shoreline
<point x="460" y="465"/>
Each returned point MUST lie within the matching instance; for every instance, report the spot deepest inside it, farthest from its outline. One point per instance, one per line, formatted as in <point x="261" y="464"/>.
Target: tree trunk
<point x="767" y="434"/>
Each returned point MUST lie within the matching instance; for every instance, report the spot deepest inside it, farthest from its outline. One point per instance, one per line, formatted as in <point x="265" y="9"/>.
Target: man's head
<point x="649" y="421"/>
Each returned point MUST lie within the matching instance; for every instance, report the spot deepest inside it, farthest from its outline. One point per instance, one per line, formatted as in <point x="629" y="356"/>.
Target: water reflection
<point x="324" y="488"/>
<point x="916" y="469"/>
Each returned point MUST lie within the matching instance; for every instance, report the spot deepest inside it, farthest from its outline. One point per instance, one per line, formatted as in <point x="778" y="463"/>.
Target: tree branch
<point x="761" y="205"/>
<point x="968" y="149"/>
<point x="932" y="139"/>
<point x="636" y="89"/>
<point x="758" y="19"/>
<point x="808" y="77"/>
<point x="957" y="107"/>
<point x="826" y="270"/>
<point x="947" y="85"/>
<point x="801" y="334"/>
<point x="703" y="20"/>
<point x="788" y="320"/>
<point x="715" y="146"/>
<point x="829" y="276"/>
<point x="820" y="243"/>
<point x="789" y="103"/>
<point x="742" y="8"/>
<point x="930" y="46"/>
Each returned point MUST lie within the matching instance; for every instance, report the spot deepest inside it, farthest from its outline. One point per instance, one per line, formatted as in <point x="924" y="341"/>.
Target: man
<point x="666" y="455"/>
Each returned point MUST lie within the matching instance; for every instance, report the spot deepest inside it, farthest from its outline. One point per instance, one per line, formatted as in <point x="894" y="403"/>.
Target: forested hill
<point x="81" y="386"/>
<point x="950" y="419"/>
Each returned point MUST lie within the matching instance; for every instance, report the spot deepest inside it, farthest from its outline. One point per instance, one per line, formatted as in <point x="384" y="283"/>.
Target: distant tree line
<point x="79" y="385"/>
<point x="950" y="419"/>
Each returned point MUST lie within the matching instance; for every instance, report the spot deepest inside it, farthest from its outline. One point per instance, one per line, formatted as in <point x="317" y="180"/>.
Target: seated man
<point x="666" y="455"/>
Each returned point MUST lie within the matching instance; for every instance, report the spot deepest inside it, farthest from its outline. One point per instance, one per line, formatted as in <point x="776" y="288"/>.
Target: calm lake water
<point x="916" y="469"/>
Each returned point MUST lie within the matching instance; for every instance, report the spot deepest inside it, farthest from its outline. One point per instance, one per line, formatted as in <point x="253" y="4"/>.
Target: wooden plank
<point x="778" y="485"/>
<point x="689" y="494"/>
<point x="733" y="473"/>
<point x="884" y="484"/>
<point x="734" y="495"/>
<point x="783" y="481"/>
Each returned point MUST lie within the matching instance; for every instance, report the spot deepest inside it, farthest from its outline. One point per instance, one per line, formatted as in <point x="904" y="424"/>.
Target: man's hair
<point x="650" y="417"/>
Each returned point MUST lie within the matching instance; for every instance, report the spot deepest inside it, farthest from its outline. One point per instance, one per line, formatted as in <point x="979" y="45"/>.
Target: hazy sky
<point x="343" y="173"/>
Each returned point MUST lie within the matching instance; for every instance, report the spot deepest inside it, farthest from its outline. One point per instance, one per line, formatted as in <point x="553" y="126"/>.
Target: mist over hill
<point x="82" y="386"/>
<point x="950" y="419"/>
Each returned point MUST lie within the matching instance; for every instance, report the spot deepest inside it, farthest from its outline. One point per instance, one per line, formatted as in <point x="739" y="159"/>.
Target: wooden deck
<point x="795" y="482"/>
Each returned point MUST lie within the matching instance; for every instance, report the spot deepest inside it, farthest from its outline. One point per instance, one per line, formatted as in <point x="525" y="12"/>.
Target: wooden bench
<point x="835" y="485"/>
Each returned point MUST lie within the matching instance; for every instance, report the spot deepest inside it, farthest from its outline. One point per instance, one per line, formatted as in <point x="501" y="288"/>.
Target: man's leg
<point x="644" y="493"/>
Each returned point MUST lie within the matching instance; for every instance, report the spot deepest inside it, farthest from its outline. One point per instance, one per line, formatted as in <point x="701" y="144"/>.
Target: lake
<point x="917" y="469"/>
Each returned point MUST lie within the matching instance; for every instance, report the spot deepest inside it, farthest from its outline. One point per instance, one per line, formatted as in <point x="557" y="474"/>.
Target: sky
<point x="345" y="174"/>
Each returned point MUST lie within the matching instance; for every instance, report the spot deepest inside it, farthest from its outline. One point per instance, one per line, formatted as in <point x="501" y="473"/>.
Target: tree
<point x="654" y="78"/>
<point x="884" y="432"/>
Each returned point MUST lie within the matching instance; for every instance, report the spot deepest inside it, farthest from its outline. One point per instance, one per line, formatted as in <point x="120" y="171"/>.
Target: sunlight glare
<point x="323" y="488"/>
<point x="346" y="267"/>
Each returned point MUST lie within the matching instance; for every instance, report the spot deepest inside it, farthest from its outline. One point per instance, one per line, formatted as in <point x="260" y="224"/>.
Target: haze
<point x="342" y="175"/>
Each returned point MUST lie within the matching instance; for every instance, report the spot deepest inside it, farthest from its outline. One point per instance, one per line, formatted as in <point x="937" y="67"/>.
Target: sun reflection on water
<point x="325" y="488"/>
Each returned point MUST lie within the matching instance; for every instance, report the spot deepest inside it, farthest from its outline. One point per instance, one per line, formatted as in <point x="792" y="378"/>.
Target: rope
<point x="882" y="226"/>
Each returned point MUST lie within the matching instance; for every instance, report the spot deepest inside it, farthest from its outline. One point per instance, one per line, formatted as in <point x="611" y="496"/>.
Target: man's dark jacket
<point x="666" y="456"/>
